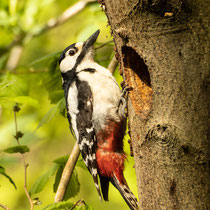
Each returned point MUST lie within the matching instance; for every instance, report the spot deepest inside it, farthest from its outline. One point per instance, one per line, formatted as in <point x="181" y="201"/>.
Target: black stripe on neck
<point x="68" y="78"/>
<point x="91" y="70"/>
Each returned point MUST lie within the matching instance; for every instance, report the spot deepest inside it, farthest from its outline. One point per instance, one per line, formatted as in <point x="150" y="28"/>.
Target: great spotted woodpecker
<point x="93" y="100"/>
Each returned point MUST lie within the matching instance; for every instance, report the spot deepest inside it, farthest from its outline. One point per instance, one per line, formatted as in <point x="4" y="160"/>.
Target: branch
<point x="14" y="57"/>
<point x="77" y="204"/>
<point x="4" y="207"/>
<point x="52" y="23"/>
<point x="71" y="11"/>
<point x="102" y="45"/>
<point x="25" y="182"/>
<point x="67" y="172"/>
<point x="17" y="136"/>
<point x="112" y="65"/>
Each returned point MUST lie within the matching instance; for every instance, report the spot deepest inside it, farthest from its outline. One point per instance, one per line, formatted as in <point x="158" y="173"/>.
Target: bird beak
<point x="91" y="40"/>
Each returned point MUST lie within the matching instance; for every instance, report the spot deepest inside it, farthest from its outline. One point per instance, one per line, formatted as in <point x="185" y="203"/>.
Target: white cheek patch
<point x="67" y="63"/>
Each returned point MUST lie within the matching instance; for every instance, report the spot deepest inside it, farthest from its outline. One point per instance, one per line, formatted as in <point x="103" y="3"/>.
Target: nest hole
<point x="134" y="62"/>
<point x="137" y="76"/>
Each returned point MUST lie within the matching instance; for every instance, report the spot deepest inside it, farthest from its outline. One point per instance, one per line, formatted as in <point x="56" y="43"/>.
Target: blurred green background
<point x="34" y="82"/>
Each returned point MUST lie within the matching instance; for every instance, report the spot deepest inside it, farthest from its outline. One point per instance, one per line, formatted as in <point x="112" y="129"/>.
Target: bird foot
<point x="122" y="103"/>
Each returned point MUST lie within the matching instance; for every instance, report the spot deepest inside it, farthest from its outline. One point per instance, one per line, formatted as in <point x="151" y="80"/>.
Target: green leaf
<point x="56" y="96"/>
<point x="68" y="205"/>
<point x="41" y="182"/>
<point x="45" y="60"/>
<point x="25" y="100"/>
<point x="17" y="149"/>
<point x="4" y="85"/>
<point x="73" y="186"/>
<point x="48" y="116"/>
<point x="19" y="85"/>
<point x="83" y="207"/>
<point x="60" y="205"/>
<point x="53" y="112"/>
<point x="3" y="60"/>
<point x="81" y="164"/>
<point x="62" y="107"/>
<point x="3" y="172"/>
<point x="52" y="80"/>
<point x="57" y="178"/>
<point x="61" y="160"/>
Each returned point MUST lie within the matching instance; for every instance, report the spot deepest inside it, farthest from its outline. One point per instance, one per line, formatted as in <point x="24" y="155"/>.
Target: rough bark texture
<point x="162" y="46"/>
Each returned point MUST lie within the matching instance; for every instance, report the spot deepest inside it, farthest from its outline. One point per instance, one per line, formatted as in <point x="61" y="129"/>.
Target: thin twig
<point x="14" y="57"/>
<point x="16" y="129"/>
<point x="71" y="11"/>
<point x="30" y="71"/>
<point x="102" y="45"/>
<point x="4" y="207"/>
<point x="112" y="65"/>
<point x="25" y="182"/>
<point x="16" y="109"/>
<point x="76" y="204"/>
<point x="67" y="172"/>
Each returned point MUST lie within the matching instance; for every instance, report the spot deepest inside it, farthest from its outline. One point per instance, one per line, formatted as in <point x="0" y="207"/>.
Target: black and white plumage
<point x="92" y="99"/>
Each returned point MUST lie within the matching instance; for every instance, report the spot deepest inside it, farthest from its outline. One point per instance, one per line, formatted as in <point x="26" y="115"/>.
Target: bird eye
<point x="72" y="52"/>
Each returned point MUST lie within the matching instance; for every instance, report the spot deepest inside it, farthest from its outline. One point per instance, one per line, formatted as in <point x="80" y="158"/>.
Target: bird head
<point x="76" y="53"/>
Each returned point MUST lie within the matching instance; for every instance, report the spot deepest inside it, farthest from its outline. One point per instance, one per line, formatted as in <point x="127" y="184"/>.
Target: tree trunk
<point x="162" y="46"/>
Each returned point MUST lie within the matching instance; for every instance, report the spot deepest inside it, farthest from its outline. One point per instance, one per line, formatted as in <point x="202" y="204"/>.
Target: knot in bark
<point x="163" y="135"/>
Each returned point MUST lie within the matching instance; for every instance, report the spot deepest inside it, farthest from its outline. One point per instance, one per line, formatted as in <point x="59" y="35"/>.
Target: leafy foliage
<point x="61" y="160"/>
<point x="52" y="113"/>
<point x="17" y="149"/>
<point x="81" y="164"/>
<point x="60" y="205"/>
<point x="41" y="182"/>
<point x="57" y="169"/>
<point x="3" y="172"/>
<point x="45" y="60"/>
<point x="68" y="205"/>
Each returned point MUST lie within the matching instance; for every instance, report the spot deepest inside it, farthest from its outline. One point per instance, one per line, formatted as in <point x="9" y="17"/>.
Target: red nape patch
<point x="110" y="164"/>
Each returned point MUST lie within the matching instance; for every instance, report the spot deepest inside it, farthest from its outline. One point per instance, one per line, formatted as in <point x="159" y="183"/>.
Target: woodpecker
<point x="93" y="101"/>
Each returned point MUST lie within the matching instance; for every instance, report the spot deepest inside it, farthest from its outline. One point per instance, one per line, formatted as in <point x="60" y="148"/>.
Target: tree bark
<point x="162" y="47"/>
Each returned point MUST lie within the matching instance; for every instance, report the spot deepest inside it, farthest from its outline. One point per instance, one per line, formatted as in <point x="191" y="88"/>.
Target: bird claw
<point x="122" y="103"/>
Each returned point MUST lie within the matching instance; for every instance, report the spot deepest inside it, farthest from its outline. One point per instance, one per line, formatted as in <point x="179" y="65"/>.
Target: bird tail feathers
<point x="126" y="193"/>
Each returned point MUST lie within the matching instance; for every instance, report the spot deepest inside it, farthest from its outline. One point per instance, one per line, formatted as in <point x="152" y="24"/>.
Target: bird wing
<point x="85" y="127"/>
